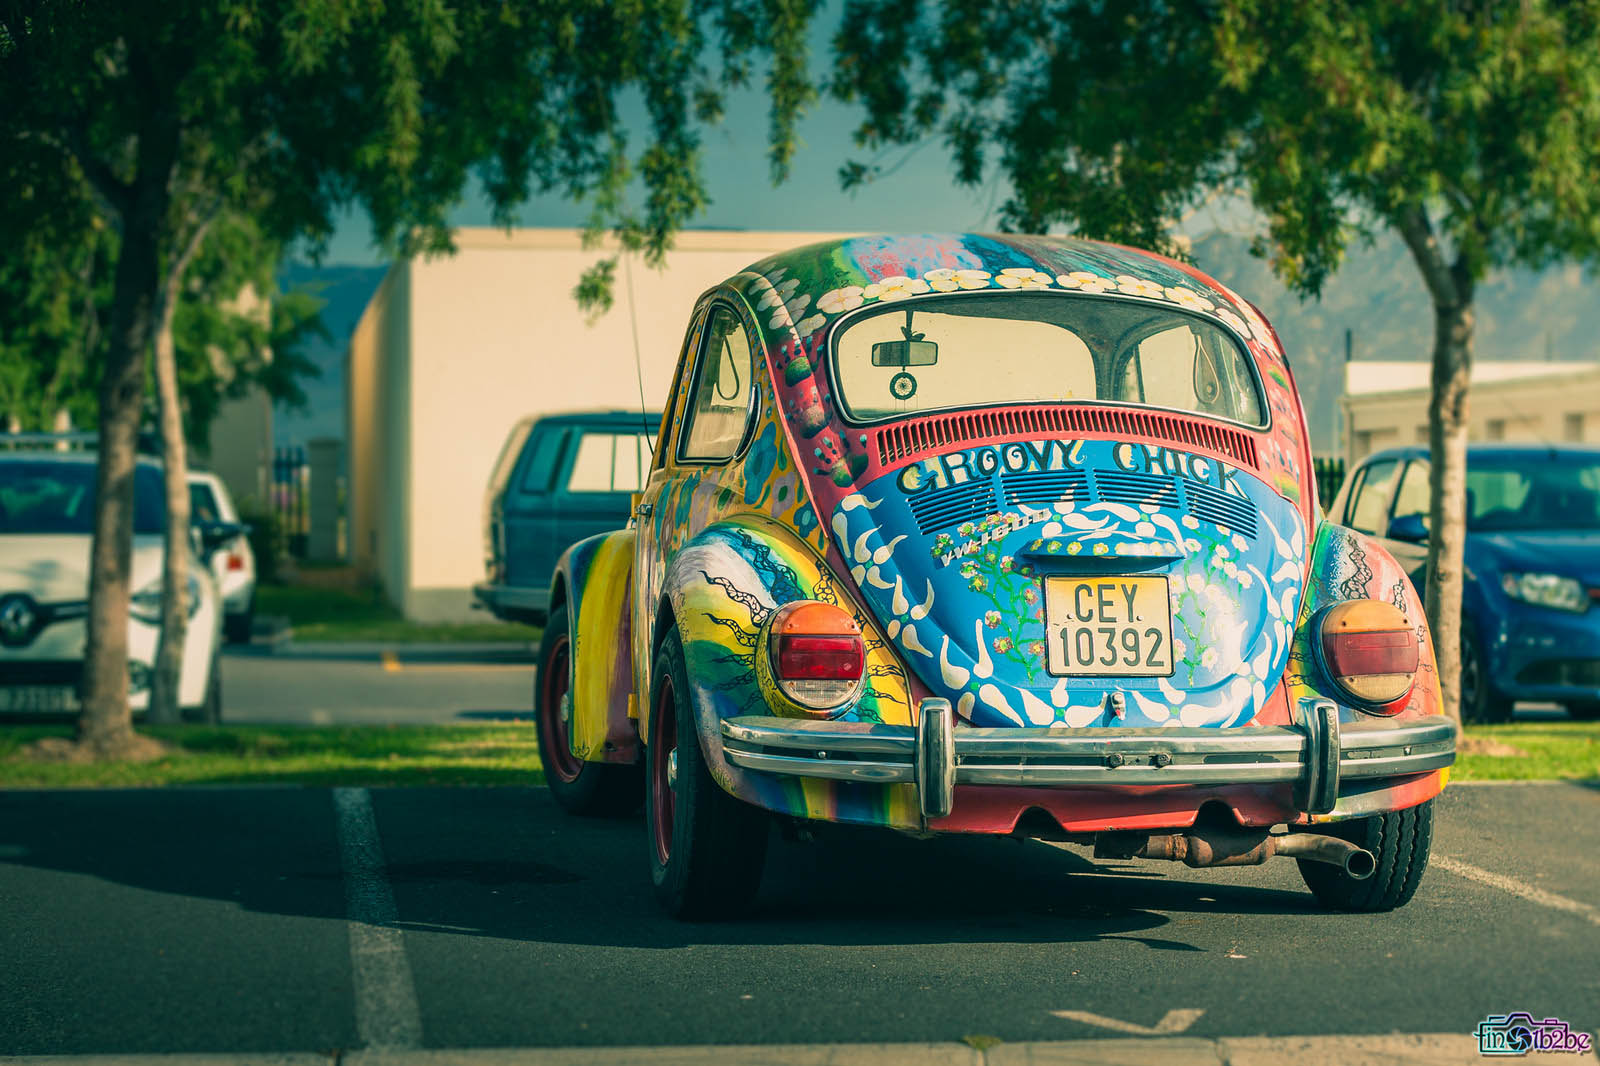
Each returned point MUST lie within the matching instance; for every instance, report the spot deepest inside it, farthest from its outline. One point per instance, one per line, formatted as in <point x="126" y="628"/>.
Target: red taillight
<point x="235" y="561"/>
<point x="812" y="657"/>
<point x="1371" y="652"/>
<point x="816" y="656"/>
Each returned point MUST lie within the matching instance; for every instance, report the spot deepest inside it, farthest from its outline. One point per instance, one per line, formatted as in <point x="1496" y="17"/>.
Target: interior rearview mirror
<point x="905" y="353"/>
<point x="1408" y="527"/>
<point x="213" y="535"/>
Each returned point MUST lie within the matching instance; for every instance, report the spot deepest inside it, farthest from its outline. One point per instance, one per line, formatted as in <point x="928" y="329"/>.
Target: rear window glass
<point x="611" y="462"/>
<point x="39" y="496"/>
<point x="987" y="350"/>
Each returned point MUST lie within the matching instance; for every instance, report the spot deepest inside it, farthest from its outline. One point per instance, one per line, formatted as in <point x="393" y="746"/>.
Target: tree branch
<point x="112" y="189"/>
<point x="1417" y="231"/>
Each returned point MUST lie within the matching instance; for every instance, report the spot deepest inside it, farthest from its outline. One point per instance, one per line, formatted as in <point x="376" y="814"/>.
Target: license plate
<point x="37" y="699"/>
<point x="1108" y="626"/>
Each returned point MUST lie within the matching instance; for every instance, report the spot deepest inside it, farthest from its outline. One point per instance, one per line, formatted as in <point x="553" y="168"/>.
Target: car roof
<point x="607" y="415"/>
<point x="1497" y="449"/>
<point x="45" y="455"/>
<point x="789" y="287"/>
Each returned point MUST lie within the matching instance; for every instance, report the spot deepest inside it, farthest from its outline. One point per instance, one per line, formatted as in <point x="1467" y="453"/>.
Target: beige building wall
<point x="452" y="351"/>
<point x="1551" y="403"/>
<point x="239" y="449"/>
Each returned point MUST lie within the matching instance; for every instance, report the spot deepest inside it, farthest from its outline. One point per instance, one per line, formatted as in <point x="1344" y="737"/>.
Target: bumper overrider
<point x="937" y="757"/>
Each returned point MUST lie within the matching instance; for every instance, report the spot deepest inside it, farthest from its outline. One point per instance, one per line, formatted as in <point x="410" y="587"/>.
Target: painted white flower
<point x="1192" y="544"/>
<point x="1191" y="522"/>
<point x="1189" y="299"/>
<point x="1233" y="320"/>
<point x="896" y="288"/>
<point x="1231" y="569"/>
<point x="1139" y="287"/>
<point x="941" y="279"/>
<point x="789" y="311"/>
<point x="973" y="279"/>
<point x="810" y="325"/>
<point x="1241" y="544"/>
<point x="778" y="294"/>
<point x="1023" y="278"/>
<point x="839" y="301"/>
<point x="1145" y="529"/>
<point x="1245" y="580"/>
<point x="1196" y="582"/>
<point x="1084" y="281"/>
<point x="1179" y="649"/>
<point x="1208" y="658"/>
<point x="1222" y="551"/>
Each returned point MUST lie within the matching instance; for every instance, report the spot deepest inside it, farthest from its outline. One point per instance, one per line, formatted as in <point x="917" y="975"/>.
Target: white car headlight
<point x="145" y="605"/>
<point x="1547" y="590"/>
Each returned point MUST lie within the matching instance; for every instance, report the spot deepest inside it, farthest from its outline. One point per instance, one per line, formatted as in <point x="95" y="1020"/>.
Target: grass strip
<point x="499" y="754"/>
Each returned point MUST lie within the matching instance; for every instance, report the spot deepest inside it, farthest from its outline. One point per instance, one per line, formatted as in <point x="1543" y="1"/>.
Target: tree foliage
<point x="154" y="117"/>
<point x="1471" y="129"/>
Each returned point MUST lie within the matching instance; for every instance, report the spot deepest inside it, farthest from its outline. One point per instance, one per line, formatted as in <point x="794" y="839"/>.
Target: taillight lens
<point x="235" y="561"/>
<point x="817" y="655"/>
<point x="1371" y="652"/>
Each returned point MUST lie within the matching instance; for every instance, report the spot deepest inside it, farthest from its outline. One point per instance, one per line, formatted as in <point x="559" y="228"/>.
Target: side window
<point x="610" y="462"/>
<point x="543" y="459"/>
<point x="1370" y="510"/>
<point x="719" y="407"/>
<point x="1413" y="495"/>
<point x="203" y="505"/>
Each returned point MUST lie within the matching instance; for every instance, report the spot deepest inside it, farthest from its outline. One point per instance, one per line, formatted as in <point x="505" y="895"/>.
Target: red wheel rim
<point x="559" y="759"/>
<point x="663" y="753"/>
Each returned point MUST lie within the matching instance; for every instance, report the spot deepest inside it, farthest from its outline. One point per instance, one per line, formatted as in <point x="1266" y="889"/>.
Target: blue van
<point x="560" y="478"/>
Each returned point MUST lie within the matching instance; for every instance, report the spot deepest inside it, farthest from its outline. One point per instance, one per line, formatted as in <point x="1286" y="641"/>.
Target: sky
<point x="919" y="195"/>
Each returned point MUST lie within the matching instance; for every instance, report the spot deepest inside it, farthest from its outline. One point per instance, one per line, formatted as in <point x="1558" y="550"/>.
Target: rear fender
<point x="1346" y="565"/>
<point x="722" y="587"/>
<point x="597" y="576"/>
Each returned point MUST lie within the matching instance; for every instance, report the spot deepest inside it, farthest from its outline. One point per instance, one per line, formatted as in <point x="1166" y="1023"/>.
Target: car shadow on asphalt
<point x="504" y="863"/>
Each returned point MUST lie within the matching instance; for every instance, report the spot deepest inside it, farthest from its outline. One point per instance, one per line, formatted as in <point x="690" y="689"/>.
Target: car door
<point x="531" y="539"/>
<point x="607" y="466"/>
<point x="1410" y="498"/>
<point x="702" y="430"/>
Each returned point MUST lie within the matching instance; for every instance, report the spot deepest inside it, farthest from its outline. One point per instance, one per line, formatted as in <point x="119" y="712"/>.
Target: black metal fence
<point x="1330" y="475"/>
<point x="291" y="478"/>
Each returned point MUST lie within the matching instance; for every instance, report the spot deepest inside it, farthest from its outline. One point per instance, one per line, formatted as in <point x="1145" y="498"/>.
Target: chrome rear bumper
<point x="937" y="756"/>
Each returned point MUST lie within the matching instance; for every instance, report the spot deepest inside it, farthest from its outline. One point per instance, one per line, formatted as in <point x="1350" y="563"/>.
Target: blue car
<point x="1531" y="608"/>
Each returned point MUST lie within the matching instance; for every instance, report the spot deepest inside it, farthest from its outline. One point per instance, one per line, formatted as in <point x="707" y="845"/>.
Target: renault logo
<point x="19" y="617"/>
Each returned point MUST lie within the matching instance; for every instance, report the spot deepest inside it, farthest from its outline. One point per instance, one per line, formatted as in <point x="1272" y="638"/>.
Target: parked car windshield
<point x="40" y="496"/>
<point x="1533" y="490"/>
<point x="981" y="350"/>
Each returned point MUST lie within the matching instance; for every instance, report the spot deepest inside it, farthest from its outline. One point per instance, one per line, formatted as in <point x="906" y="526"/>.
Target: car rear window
<point x="978" y="350"/>
<point x="43" y="497"/>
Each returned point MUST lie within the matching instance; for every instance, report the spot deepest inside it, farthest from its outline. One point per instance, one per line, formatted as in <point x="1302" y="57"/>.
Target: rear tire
<point x="1480" y="703"/>
<point x="237" y="628"/>
<point x="706" y="848"/>
<point x="582" y="788"/>
<point x="1399" y="842"/>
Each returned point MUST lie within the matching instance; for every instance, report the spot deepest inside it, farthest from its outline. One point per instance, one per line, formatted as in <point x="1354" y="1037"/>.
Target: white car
<point x="233" y="564"/>
<point x="46" y="518"/>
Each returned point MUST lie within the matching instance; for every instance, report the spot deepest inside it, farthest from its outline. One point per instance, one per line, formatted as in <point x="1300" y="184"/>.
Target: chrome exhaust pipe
<point x="1205" y="848"/>
<point x="1358" y="863"/>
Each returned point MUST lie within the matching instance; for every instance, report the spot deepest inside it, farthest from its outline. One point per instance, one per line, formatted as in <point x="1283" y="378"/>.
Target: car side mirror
<point x="1408" y="527"/>
<point x="213" y="535"/>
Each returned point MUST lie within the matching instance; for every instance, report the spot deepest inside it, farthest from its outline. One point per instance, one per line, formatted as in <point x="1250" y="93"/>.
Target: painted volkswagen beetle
<point x="992" y="534"/>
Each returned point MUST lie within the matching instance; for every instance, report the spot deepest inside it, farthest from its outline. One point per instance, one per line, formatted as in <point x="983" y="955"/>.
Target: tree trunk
<point x="1447" y="491"/>
<point x="1451" y="287"/>
<point x="165" y="705"/>
<point x="164" y="684"/>
<point x="105" y="727"/>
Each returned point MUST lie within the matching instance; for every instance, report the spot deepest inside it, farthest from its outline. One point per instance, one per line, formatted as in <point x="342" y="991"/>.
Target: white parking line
<point x="386" y="1000"/>
<point x="1517" y="888"/>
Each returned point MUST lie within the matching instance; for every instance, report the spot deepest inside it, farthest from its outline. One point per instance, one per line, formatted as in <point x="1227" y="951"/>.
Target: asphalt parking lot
<point x="303" y="919"/>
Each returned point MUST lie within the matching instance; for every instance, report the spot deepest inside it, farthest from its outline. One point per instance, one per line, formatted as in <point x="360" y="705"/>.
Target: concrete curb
<point x="1395" y="1049"/>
